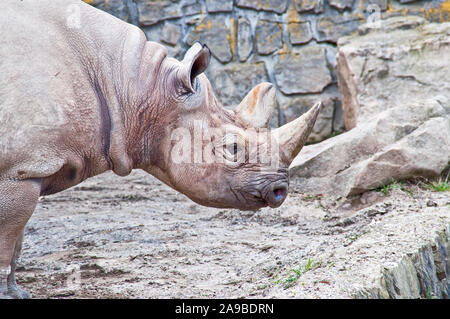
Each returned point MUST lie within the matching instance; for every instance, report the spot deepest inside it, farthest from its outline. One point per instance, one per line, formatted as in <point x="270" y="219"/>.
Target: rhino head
<point x="219" y="157"/>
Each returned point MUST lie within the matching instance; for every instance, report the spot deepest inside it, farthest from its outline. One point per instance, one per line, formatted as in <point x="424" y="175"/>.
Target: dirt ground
<point x="134" y="237"/>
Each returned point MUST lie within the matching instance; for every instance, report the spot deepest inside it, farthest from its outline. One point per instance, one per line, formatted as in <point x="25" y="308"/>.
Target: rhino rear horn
<point x="195" y="62"/>
<point x="257" y="107"/>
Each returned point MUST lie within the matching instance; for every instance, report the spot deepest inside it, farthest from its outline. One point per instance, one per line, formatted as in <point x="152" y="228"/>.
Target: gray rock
<point x="370" y="73"/>
<point x="341" y="4"/>
<point x="155" y="33"/>
<point x="426" y="273"/>
<point x="213" y="32"/>
<point x="245" y="39"/>
<point x="170" y="33"/>
<point x="402" y="281"/>
<point x="268" y="37"/>
<point x="397" y="23"/>
<point x="302" y="72"/>
<point x="278" y="6"/>
<point x="219" y="5"/>
<point x="309" y="5"/>
<point x="382" y="4"/>
<point x="300" y="32"/>
<point x="117" y="8"/>
<point x="191" y="7"/>
<point x="152" y="12"/>
<point x="400" y="143"/>
<point x="133" y="14"/>
<point x="436" y="12"/>
<point x="422" y="274"/>
<point x="234" y="80"/>
<point x="373" y="8"/>
<point x="331" y="28"/>
<point x="338" y="118"/>
<point x="194" y="20"/>
<point x="441" y="256"/>
<point x="431" y="203"/>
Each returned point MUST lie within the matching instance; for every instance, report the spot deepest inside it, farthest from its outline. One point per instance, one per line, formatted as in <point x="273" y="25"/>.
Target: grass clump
<point x="440" y="185"/>
<point x="296" y="273"/>
<point x="385" y="189"/>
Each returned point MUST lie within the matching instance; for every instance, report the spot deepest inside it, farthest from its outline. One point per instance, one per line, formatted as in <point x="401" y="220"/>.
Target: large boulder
<point x="393" y="78"/>
<point x="400" y="143"/>
<point x="392" y="62"/>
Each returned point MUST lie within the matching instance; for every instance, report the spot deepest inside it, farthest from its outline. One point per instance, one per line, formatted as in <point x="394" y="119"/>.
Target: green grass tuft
<point x="385" y="189"/>
<point x="292" y="279"/>
<point x="440" y="185"/>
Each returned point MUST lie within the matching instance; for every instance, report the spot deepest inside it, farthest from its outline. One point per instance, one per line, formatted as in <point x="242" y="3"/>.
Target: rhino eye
<point x="232" y="148"/>
<point x="231" y="151"/>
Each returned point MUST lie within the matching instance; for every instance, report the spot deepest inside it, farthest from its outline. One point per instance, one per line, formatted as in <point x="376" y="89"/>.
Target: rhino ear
<point x="195" y="61"/>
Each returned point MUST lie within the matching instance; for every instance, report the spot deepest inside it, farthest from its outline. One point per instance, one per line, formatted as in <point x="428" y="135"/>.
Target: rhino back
<point x="57" y="105"/>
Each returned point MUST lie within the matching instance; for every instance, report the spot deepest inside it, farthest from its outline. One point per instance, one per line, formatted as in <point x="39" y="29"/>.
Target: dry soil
<point x="134" y="237"/>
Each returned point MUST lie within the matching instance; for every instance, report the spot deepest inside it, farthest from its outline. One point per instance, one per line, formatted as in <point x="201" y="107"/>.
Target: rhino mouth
<point x="272" y="193"/>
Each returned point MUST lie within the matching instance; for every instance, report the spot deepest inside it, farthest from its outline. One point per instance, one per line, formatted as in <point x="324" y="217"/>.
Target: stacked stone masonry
<point x="291" y="43"/>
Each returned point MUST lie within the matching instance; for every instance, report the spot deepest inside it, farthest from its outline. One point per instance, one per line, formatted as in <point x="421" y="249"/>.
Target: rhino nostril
<point x="279" y="193"/>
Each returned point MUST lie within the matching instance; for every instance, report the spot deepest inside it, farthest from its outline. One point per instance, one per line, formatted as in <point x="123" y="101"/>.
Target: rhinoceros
<point x="82" y="92"/>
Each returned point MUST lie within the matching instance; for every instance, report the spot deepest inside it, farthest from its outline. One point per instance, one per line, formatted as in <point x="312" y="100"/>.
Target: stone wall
<point x="291" y="43"/>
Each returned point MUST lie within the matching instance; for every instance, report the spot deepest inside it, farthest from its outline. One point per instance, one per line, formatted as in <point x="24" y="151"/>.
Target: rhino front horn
<point x="292" y="136"/>
<point x="257" y="107"/>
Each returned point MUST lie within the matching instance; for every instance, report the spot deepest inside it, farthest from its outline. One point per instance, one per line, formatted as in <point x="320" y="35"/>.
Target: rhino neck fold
<point x="136" y="127"/>
<point x="113" y="137"/>
<point x="132" y="102"/>
<point x="122" y="69"/>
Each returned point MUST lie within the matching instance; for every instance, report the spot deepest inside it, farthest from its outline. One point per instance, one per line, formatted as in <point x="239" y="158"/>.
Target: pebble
<point x="431" y="203"/>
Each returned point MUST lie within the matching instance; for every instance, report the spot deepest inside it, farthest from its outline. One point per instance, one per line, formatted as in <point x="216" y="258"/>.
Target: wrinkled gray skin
<point x="82" y="92"/>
